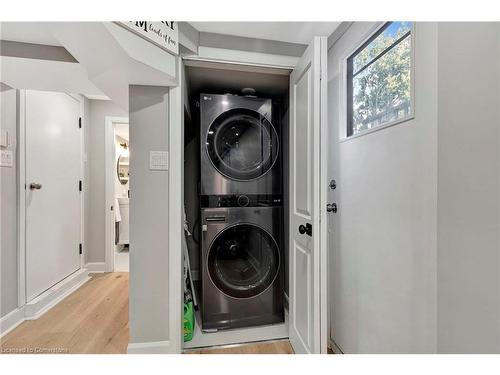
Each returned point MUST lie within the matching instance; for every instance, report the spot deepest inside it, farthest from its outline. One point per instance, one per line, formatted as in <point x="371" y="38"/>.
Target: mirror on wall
<point x="122" y="165"/>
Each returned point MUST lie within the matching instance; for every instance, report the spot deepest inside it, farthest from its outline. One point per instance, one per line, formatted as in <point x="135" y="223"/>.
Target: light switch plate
<point x="158" y="160"/>
<point x="7" y="158"/>
<point x="4" y="138"/>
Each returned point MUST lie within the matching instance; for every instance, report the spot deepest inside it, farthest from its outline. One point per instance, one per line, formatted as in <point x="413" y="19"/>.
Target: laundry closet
<point x="236" y="136"/>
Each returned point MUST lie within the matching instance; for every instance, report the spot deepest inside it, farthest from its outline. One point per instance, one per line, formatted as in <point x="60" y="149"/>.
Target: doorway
<point x="307" y="299"/>
<point x="117" y="192"/>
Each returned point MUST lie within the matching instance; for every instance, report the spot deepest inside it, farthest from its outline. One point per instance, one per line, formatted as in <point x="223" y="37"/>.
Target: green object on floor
<point x="188" y="321"/>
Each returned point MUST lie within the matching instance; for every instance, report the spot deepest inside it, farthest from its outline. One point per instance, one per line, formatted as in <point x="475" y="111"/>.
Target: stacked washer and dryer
<point x="241" y="212"/>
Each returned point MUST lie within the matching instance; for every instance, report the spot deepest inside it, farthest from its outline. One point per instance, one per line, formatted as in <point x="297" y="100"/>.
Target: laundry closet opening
<point x="236" y="201"/>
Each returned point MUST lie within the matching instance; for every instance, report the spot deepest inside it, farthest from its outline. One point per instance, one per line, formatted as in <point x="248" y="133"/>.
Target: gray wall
<point x="95" y="193"/>
<point x="149" y="310"/>
<point x="8" y="206"/>
<point x="416" y="241"/>
<point x="469" y="188"/>
<point x="383" y="238"/>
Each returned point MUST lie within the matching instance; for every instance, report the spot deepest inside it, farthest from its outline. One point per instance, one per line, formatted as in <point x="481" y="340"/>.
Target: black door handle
<point x="307" y="229"/>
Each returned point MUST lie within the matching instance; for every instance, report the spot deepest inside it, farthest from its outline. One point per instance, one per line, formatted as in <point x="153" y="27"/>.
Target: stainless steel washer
<point x="242" y="267"/>
<point x="240" y="146"/>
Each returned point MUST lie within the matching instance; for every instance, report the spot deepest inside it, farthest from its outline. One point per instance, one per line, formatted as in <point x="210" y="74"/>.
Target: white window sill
<point x="377" y="128"/>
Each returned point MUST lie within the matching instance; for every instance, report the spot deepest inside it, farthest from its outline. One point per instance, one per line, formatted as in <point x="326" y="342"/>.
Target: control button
<point x="243" y="201"/>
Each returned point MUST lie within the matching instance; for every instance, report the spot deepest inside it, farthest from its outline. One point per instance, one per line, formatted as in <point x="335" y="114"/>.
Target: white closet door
<point x="307" y="295"/>
<point x="53" y="217"/>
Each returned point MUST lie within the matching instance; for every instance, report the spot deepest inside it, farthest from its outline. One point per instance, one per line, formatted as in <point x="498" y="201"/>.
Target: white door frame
<point x="323" y="200"/>
<point x="109" y="188"/>
<point x="176" y="212"/>
<point x="21" y="192"/>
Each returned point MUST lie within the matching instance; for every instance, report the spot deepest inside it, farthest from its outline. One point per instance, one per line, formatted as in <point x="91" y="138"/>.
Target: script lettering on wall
<point x="164" y="34"/>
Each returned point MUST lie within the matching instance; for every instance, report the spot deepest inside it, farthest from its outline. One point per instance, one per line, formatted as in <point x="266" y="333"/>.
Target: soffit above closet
<point x="273" y="82"/>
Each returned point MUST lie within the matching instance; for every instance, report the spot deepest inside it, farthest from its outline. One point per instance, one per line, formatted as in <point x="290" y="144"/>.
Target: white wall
<point x="95" y="193"/>
<point x="469" y="188"/>
<point x="8" y="206"/>
<point x="149" y="205"/>
<point x="383" y="238"/>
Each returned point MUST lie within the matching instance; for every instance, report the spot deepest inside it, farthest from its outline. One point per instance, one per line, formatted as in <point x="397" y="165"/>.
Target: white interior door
<point x="307" y="298"/>
<point x="53" y="172"/>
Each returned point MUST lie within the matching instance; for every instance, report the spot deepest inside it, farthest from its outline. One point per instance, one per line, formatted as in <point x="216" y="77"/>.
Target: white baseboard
<point x="155" y="347"/>
<point x="43" y="303"/>
<point x="47" y="300"/>
<point x="11" y="321"/>
<point x="96" y="267"/>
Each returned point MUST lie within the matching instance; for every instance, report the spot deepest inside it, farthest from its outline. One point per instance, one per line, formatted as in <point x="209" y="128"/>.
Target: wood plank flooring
<point x="94" y="319"/>
<point x="273" y="347"/>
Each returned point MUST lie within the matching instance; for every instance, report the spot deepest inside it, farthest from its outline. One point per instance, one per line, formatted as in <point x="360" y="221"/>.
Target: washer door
<point x="242" y="144"/>
<point x="243" y="261"/>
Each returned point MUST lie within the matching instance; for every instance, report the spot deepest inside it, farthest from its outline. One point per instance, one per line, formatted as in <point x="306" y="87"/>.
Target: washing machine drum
<point x="243" y="261"/>
<point x="242" y="144"/>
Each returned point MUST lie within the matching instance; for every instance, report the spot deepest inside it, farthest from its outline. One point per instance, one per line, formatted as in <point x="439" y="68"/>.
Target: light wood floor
<point x="273" y="347"/>
<point x="94" y="319"/>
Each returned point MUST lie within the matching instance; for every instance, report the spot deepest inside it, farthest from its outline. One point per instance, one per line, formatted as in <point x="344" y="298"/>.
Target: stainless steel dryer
<point x="242" y="267"/>
<point x="240" y="146"/>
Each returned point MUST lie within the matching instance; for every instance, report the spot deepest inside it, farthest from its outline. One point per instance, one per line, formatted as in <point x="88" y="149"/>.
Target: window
<point x="379" y="79"/>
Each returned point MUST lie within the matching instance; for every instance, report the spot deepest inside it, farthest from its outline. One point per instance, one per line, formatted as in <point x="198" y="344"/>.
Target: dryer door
<point x="243" y="261"/>
<point x="242" y="144"/>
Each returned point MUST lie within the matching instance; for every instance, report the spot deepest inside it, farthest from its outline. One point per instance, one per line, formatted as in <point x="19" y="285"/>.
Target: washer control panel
<point x="241" y="200"/>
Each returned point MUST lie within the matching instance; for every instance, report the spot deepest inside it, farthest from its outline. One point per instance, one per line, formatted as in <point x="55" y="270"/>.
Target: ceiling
<point x="28" y="32"/>
<point x="292" y="32"/>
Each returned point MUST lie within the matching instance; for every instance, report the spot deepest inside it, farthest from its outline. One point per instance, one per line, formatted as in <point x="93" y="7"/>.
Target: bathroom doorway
<point x="117" y="194"/>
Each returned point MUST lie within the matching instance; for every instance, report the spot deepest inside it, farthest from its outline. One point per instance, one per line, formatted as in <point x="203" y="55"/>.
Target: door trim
<point x="323" y="197"/>
<point x="21" y="192"/>
<point x="109" y="190"/>
<point x="176" y="213"/>
<point x="21" y="196"/>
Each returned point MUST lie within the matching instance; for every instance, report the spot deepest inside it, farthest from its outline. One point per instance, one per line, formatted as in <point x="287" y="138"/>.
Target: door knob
<point x="307" y="229"/>
<point x="35" y="186"/>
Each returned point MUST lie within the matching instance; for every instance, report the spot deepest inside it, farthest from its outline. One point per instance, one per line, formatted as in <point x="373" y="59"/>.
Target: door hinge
<point x="80" y="188"/>
<point x="80" y="248"/>
<point x="79" y="122"/>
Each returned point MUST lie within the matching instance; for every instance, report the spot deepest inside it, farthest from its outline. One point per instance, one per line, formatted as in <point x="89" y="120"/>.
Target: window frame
<point x="373" y="33"/>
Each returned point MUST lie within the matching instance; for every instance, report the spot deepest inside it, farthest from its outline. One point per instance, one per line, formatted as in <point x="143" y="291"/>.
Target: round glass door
<point x="242" y="144"/>
<point x="243" y="261"/>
